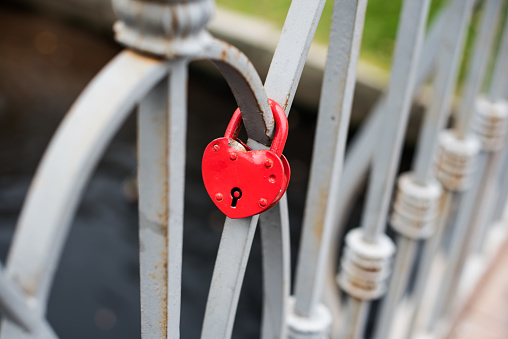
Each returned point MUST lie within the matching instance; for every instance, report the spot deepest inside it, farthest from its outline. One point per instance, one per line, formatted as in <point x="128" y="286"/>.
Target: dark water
<point x="43" y="67"/>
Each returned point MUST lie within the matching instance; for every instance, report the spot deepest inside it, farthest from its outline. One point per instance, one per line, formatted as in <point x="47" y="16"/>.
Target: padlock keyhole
<point x="236" y="194"/>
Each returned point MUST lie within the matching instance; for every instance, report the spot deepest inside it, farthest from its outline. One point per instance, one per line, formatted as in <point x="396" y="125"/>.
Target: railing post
<point x="143" y="25"/>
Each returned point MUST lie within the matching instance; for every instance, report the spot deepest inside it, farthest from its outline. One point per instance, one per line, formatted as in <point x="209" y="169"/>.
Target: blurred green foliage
<point x="380" y="23"/>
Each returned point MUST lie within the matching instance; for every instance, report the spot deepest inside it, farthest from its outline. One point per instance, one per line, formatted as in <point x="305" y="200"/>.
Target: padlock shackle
<point x="281" y="127"/>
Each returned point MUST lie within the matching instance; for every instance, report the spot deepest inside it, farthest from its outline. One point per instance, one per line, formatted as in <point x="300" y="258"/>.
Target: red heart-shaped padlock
<point x="243" y="182"/>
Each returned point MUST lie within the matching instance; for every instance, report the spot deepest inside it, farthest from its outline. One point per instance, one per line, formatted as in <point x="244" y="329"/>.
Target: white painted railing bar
<point x="291" y="52"/>
<point x="328" y="152"/>
<point x="354" y="318"/>
<point x="499" y="85"/>
<point x="176" y="146"/>
<point x="16" y="307"/>
<point x="477" y="68"/>
<point x="228" y="276"/>
<point x="430" y="247"/>
<point x="499" y="91"/>
<point x="463" y="126"/>
<point x="276" y="270"/>
<point x="153" y="179"/>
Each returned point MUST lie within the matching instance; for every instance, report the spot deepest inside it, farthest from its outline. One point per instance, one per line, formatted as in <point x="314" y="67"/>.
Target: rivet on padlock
<point x="243" y="182"/>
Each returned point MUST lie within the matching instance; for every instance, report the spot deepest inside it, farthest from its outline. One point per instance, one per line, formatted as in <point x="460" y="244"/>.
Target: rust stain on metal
<point x="320" y="213"/>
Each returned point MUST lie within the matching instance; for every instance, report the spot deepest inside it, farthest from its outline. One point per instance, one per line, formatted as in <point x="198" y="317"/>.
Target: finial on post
<point x="165" y="28"/>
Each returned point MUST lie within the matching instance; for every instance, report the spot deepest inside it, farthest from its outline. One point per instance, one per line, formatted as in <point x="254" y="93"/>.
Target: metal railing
<point x="451" y="202"/>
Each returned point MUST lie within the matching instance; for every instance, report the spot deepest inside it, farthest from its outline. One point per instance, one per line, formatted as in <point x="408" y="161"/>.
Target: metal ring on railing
<point x="491" y="123"/>
<point x="365" y="266"/>
<point x="416" y="207"/>
<point x="456" y="160"/>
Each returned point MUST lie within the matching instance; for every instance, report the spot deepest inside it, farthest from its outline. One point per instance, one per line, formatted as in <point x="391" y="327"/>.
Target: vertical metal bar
<point x="404" y="260"/>
<point x="400" y="92"/>
<point x="459" y="224"/>
<point x="162" y="133"/>
<point x="499" y="85"/>
<point x="430" y="247"/>
<point x="503" y="188"/>
<point x="328" y="154"/>
<point x="274" y="225"/>
<point x="499" y="91"/>
<point x="153" y="210"/>
<point x="176" y="140"/>
<point x="444" y="85"/>
<point x="354" y="319"/>
<point x="477" y="67"/>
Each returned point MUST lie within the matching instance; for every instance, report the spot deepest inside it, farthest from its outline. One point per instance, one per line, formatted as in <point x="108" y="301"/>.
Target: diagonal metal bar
<point x="328" y="153"/>
<point x="280" y="85"/>
<point x="237" y="234"/>
<point x="430" y="247"/>
<point x="294" y="43"/>
<point x="228" y="276"/>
